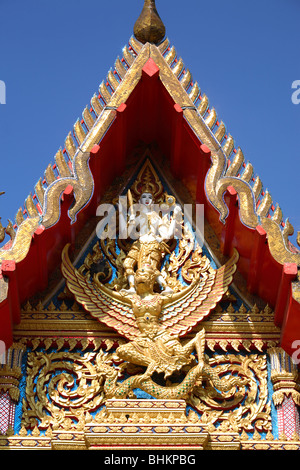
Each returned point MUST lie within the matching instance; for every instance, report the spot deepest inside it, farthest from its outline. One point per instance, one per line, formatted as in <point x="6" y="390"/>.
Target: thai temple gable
<point x="75" y="372"/>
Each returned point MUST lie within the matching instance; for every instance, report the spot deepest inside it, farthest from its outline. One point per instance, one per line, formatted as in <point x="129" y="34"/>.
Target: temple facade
<point x="149" y="293"/>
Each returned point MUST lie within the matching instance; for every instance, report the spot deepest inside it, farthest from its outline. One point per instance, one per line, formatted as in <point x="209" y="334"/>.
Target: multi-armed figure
<point x="150" y="232"/>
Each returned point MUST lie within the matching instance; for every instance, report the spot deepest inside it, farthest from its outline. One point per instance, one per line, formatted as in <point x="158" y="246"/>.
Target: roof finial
<point x="149" y="27"/>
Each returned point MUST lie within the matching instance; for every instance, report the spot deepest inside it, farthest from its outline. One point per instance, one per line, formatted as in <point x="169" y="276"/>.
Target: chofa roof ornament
<point x="149" y="26"/>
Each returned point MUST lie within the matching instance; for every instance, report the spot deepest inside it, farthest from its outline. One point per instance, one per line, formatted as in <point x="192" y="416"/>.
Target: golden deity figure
<point x="155" y="347"/>
<point x="153" y="323"/>
<point x="151" y="232"/>
<point x="147" y="303"/>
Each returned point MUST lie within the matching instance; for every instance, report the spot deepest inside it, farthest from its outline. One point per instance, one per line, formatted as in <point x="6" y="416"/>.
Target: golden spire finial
<point x="149" y="27"/>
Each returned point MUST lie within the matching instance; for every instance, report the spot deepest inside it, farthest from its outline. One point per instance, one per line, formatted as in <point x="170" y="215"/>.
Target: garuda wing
<point x="187" y="308"/>
<point x="107" y="306"/>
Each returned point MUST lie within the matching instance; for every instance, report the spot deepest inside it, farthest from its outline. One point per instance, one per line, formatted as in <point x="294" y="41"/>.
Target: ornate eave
<point x="198" y="151"/>
<point x="226" y="328"/>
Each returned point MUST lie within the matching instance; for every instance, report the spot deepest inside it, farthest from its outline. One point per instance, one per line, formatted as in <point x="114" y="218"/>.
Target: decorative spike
<point x="246" y="344"/>
<point x="30" y="207"/>
<point x="135" y="44"/>
<point x="220" y="132"/>
<point x="236" y="164"/>
<point x="265" y="205"/>
<point x="255" y="309"/>
<point x="40" y="192"/>
<point x="84" y="343"/>
<point x="121" y="71"/>
<point x="19" y="216"/>
<point x="97" y="343"/>
<point x="170" y="56"/>
<point x="256" y="436"/>
<point x="51" y="307"/>
<point x="35" y="343"/>
<point x="109" y="343"/>
<point x="49" y="174"/>
<point x="195" y="92"/>
<point x="177" y="69"/>
<point x="223" y="343"/>
<point x="70" y="145"/>
<point x="59" y="343"/>
<point x="282" y="437"/>
<point x="257" y="187"/>
<point x="48" y="343"/>
<point x="164" y="46"/>
<point x="39" y="307"/>
<point x="36" y="432"/>
<point x="23" y="431"/>
<point x="259" y="344"/>
<point x="211" y="343"/>
<point x="277" y="215"/>
<point x="49" y="433"/>
<point x="96" y="105"/>
<point x="79" y="132"/>
<point x="63" y="306"/>
<point x="218" y="309"/>
<point x="9" y="230"/>
<point x="242" y="309"/>
<point x="88" y="118"/>
<point x="75" y="307"/>
<point x="247" y="173"/>
<point x="72" y="342"/>
<point x="287" y="231"/>
<point x="230" y="308"/>
<point x="235" y="343"/>
<point x="27" y="307"/>
<point x="128" y="56"/>
<point x="269" y="436"/>
<point x="61" y="164"/>
<point x="211" y="118"/>
<point x="106" y="96"/>
<point x="267" y="310"/>
<point x="186" y="79"/>
<point x="112" y="80"/>
<point x="203" y="105"/>
<point x="149" y="26"/>
<point x="228" y="146"/>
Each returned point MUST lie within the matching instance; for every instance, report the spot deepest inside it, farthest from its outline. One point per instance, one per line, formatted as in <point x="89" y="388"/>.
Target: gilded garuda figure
<point x="151" y="322"/>
<point x="149" y="313"/>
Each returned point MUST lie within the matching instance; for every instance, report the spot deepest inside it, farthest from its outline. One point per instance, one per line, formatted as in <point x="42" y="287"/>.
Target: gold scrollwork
<point x="64" y="388"/>
<point x="60" y="388"/>
<point x="244" y="407"/>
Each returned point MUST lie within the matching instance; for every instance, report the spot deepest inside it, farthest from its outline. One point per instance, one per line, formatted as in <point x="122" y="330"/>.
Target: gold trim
<point x="243" y="324"/>
<point x="219" y="177"/>
<point x="217" y="181"/>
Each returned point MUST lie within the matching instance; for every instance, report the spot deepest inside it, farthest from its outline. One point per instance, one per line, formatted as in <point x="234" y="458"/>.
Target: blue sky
<point x="244" y="55"/>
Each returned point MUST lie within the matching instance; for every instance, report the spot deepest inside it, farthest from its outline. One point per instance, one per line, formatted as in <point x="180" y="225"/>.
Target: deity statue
<point x="153" y="232"/>
<point x="154" y="348"/>
<point x="153" y="322"/>
<point x="144" y="309"/>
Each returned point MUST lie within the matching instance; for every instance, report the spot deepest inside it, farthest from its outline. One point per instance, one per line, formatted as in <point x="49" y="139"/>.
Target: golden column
<point x="10" y="374"/>
<point x="286" y="395"/>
